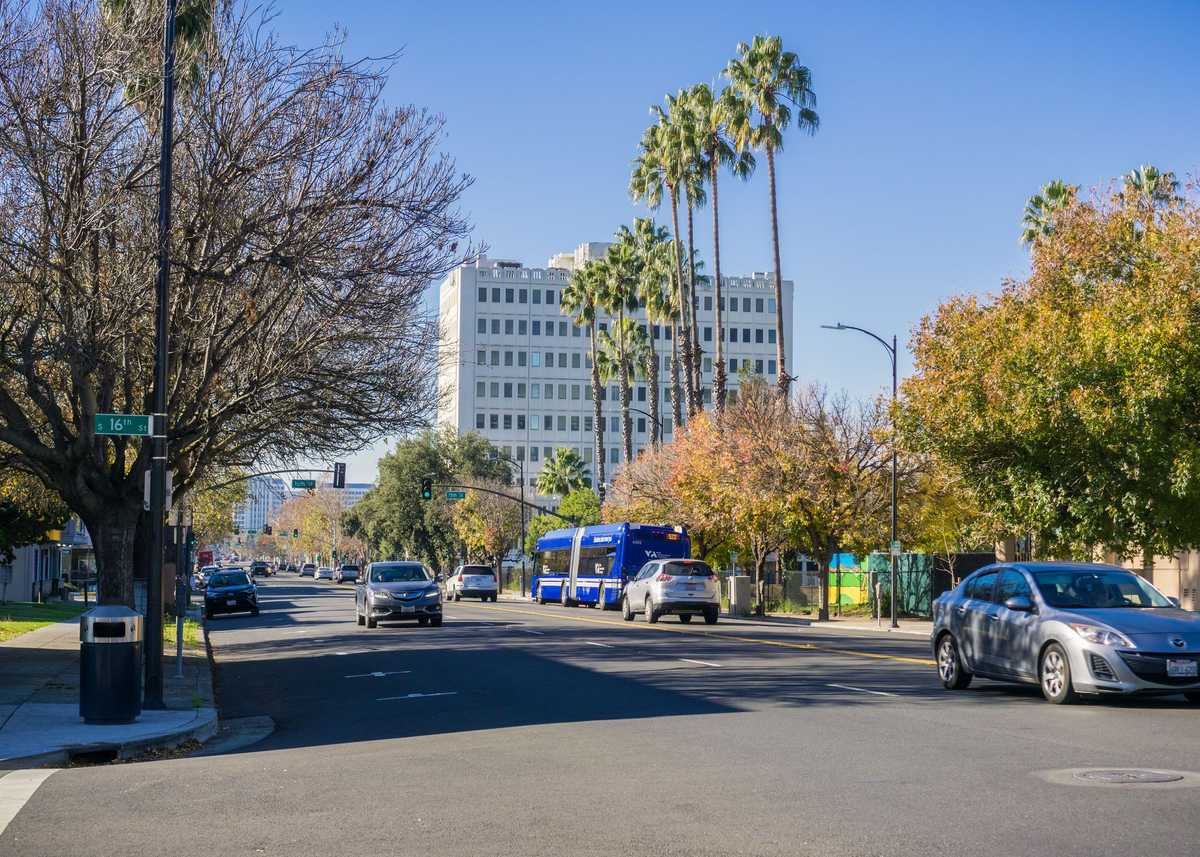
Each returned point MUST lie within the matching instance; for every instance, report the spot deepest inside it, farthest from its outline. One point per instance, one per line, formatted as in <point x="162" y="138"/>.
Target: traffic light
<point x="295" y="534"/>
<point x="426" y="489"/>
<point x="237" y="531"/>
<point x="266" y="529"/>
<point x="339" y="474"/>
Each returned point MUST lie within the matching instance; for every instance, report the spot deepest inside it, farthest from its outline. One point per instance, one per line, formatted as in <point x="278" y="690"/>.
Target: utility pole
<point x="153" y="691"/>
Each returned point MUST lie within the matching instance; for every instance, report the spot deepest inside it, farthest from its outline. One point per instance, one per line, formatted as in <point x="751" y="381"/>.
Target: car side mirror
<point x="1019" y="604"/>
<point x="1174" y="601"/>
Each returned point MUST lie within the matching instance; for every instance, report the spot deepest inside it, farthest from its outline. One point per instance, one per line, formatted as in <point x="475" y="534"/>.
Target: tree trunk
<point x="113" y="530"/>
<point x="684" y="311"/>
<point x="694" y="343"/>
<point x="626" y="427"/>
<point x="785" y="379"/>
<point x="760" y="584"/>
<point x="598" y="417"/>
<point x="718" y="328"/>
<point x="676" y="404"/>
<point x="823" y="589"/>
<point x="652" y="393"/>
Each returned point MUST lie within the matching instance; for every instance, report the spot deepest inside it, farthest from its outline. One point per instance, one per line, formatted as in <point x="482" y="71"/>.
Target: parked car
<point x="346" y="574"/>
<point x="201" y="577"/>
<point x="323" y="573"/>
<point x="308" y="570"/>
<point x="391" y="591"/>
<point x="1072" y="628"/>
<point x="259" y="568"/>
<point x="682" y="587"/>
<point x="230" y="591"/>
<point x="292" y="568"/>
<point x="471" y="581"/>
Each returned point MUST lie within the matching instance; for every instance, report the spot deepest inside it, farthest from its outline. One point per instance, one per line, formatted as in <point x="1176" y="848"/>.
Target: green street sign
<point x="304" y="483"/>
<point x="251" y="532"/>
<point x="123" y="424"/>
<point x="456" y="495"/>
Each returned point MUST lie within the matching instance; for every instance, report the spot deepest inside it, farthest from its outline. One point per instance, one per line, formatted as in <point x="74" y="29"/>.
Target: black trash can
<point x="110" y="665"/>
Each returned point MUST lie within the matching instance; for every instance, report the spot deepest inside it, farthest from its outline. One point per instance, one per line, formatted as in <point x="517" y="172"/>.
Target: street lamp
<point x="891" y="350"/>
<point x="498" y="456"/>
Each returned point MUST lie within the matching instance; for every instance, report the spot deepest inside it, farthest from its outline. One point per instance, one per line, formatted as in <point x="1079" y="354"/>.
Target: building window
<point x="482" y="295"/>
<point x="771" y="335"/>
<point x="641" y="394"/>
<point x="535" y="392"/>
<point x="535" y="423"/>
<point x="758" y="335"/>
<point x="587" y="392"/>
<point x="523" y="296"/>
<point x="575" y="330"/>
<point x="495" y="296"/>
<point x="533" y="450"/>
<point x="770" y="304"/>
<point x="547" y="452"/>
<point x="707" y="364"/>
<point x="520" y="422"/>
<point x="535" y="358"/>
<point x="479" y="421"/>
<point x="562" y="422"/>
<point x="480" y="389"/>
<point x="575" y="358"/>
<point x="758" y="367"/>
<point x="707" y="395"/>
<point x="574" y="423"/>
<point x="562" y="360"/>
<point x="508" y="327"/>
<point x="758" y="304"/>
<point x="481" y="325"/>
<point x="496" y="326"/>
<point x="494" y="421"/>
<point x="549" y="391"/>
<point x="745" y="334"/>
<point x="537" y="327"/>
<point x="537" y="299"/>
<point x="520" y="449"/>
<point x="521" y="358"/>
<point x="745" y="304"/>
<point x="562" y="392"/>
<point x="562" y="328"/>
<point x="495" y="389"/>
<point x="508" y="422"/>
<point x="732" y="364"/>
<point x="770" y="367"/>
<point x="521" y="391"/>
<point x="549" y="359"/>
<point x="549" y="297"/>
<point x="604" y="327"/>
<point x="508" y="358"/>
<point x="614" y="425"/>
<point x="708" y="303"/>
<point x="708" y="334"/>
<point x="587" y="423"/>
<point x="666" y="425"/>
<point x="481" y="357"/>
<point x="613" y="455"/>
<point x="549" y="328"/>
<point x="508" y="296"/>
<point x="575" y="392"/>
<point x="641" y="425"/>
<point x="522" y="327"/>
<point x="733" y="334"/>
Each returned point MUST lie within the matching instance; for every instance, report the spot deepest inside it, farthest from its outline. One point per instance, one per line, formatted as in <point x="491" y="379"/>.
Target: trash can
<point x="110" y="665"/>
<point x="739" y="595"/>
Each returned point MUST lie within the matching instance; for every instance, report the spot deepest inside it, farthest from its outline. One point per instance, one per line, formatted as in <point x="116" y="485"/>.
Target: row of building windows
<point x="578" y="360"/>
<point x="539" y="453"/>
<point x="547" y="297"/>
<point x="558" y="422"/>
<point x="523" y="327"/>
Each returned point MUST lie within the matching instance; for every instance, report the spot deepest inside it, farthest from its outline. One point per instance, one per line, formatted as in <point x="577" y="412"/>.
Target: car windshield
<point x="477" y="571"/>
<point x="209" y="569"/>
<point x="229" y="578"/>
<point x="687" y="569"/>
<point x="406" y="573"/>
<point x="349" y="569"/>
<point x="1091" y="590"/>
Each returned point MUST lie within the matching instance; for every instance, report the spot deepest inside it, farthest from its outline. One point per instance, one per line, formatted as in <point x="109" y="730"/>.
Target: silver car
<point x="392" y="591"/>
<point x="1072" y="628"/>
<point x="683" y="587"/>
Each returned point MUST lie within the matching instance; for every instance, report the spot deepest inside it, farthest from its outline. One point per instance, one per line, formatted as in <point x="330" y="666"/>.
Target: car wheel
<point x="422" y="621"/>
<point x="685" y="618"/>
<point x="711" y="614"/>
<point x="358" y="617"/>
<point x="651" y="613"/>
<point x="626" y="612"/>
<point x="371" y="623"/>
<point x="951" y="671"/>
<point x="1055" y="675"/>
<point x="435" y="621"/>
<point x="253" y="611"/>
<point x="1193" y="696"/>
<point x="458" y="596"/>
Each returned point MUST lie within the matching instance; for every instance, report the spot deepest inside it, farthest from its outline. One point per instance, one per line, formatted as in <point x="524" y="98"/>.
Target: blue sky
<point x="938" y="122"/>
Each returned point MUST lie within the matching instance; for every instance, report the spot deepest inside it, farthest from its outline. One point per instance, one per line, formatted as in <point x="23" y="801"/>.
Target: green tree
<point x="1043" y="209"/>
<point x="27" y="512"/>
<point x="1151" y="184"/>
<point x="775" y="90"/>
<point x="713" y="116"/>
<point x="212" y="507"/>
<point x="624" y="352"/>
<point x="581" y="299"/>
<point x="623" y="266"/>
<point x="537" y="527"/>
<point x="658" y="300"/>
<point x="489" y="524"/>
<point x="583" y="505"/>
<point x="562" y="473"/>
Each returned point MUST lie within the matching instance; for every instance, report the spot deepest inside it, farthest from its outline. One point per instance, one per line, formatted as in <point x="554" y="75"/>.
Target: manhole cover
<point x="1131" y="776"/>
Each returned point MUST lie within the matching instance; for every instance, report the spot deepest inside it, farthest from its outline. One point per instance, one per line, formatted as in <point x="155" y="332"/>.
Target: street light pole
<point x="660" y="421"/>
<point x="153" y="691"/>
<point x="891" y="350"/>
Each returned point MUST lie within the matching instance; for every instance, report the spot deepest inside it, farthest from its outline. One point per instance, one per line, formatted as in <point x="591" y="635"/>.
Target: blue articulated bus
<point x="590" y="565"/>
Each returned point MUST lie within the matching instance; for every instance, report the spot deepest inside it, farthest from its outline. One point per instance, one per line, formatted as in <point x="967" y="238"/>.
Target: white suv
<point x="684" y="587"/>
<point x="471" y="581"/>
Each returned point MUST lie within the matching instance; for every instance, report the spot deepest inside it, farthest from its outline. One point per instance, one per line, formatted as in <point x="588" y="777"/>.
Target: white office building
<point x="516" y="370"/>
<point x="264" y="496"/>
<point x="351" y="494"/>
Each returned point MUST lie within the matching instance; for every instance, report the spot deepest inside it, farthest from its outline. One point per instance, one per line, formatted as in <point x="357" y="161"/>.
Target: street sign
<point x="896" y="548"/>
<point x="251" y="532"/>
<point x="456" y="495"/>
<point x="123" y="424"/>
<point x="310" y="484"/>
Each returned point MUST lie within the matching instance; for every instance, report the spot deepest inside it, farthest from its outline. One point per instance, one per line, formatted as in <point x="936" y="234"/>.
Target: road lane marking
<point x="418" y="695"/>
<point x="379" y="674"/>
<point x="677" y="629"/>
<point x="861" y="689"/>
<point x="601" y="645"/>
<point x="701" y="663"/>
<point x="16" y="789"/>
<point x="531" y="631"/>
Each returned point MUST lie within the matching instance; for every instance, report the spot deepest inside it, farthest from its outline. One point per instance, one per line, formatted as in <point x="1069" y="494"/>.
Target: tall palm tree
<point x="1151" y="184"/>
<point x="694" y="196"/>
<point x="661" y="165"/>
<point x="1043" y="208"/>
<point x="770" y="82"/>
<point x="194" y="28"/>
<point x="654" y="295"/>
<point x="712" y="117"/>
<point x="562" y="473"/>
<point x="624" y="352"/>
<point x="619" y="298"/>
<point x="581" y="300"/>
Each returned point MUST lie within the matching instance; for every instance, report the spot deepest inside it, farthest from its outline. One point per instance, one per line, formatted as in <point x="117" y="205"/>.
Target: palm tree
<point x="769" y="82"/>
<point x="562" y="473"/>
<point x="1042" y="210"/>
<point x="624" y="353"/>
<point x="1151" y="184"/>
<point x="694" y="196"/>
<point x="654" y="248"/>
<point x="581" y="300"/>
<point x="194" y="29"/>
<point x="712" y="116"/>
<point x="619" y="297"/>
<point x="661" y="164"/>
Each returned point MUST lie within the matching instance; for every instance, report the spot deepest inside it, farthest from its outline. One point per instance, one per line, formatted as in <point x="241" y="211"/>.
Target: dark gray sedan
<point x="393" y="591"/>
<point x="1072" y="628"/>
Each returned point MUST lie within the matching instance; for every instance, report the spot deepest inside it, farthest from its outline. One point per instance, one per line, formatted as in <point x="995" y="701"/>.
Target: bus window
<point x="596" y="561"/>
<point x="556" y="561"/>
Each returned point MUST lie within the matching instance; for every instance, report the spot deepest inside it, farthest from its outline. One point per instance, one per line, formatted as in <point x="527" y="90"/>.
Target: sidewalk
<point x="39" y="704"/>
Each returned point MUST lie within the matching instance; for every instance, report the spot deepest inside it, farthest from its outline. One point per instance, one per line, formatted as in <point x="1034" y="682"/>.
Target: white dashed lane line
<point x="379" y="674"/>
<point x="16" y="788"/>
<point x="601" y="645"/>
<point x="418" y="695"/>
<point x="861" y="690"/>
<point x="701" y="663"/>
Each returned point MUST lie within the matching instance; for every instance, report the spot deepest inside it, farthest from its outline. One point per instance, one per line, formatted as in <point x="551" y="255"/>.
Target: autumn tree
<point x="27" y="511"/>
<point x="213" y="503"/>
<point x="309" y="218"/>
<point x="1068" y="400"/>
<point x="489" y="524"/>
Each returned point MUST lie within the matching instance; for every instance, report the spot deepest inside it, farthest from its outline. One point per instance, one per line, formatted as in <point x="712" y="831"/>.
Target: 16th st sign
<point x="131" y="425"/>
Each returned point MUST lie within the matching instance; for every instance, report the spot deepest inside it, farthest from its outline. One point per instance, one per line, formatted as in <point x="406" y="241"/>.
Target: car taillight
<point x="663" y="577"/>
<point x="460" y="577"/>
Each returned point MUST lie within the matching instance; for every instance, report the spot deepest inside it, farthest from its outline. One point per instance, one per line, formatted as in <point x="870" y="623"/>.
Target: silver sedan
<point x="1072" y="628"/>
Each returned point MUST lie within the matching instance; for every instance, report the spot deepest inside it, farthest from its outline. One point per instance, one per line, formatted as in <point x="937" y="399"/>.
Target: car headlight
<point x="381" y="593"/>
<point x="1103" y="636"/>
<point x="431" y="591"/>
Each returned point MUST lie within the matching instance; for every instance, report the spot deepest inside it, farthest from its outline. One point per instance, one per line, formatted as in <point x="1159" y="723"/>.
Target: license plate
<point x="408" y="609"/>
<point x="1181" y="669"/>
<point x="695" y="586"/>
<point x="231" y="602"/>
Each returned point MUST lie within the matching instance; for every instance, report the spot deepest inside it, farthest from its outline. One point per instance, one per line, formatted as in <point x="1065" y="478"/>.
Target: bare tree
<point x="309" y="219"/>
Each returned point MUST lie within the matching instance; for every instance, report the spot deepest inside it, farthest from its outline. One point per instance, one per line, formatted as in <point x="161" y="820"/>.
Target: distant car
<point x="323" y="573"/>
<point x="292" y="568"/>
<point x="471" y="581"/>
<point x="259" y="568"/>
<point x="230" y="591"/>
<point x="682" y="587"/>
<point x="308" y="570"/>
<point x="205" y="572"/>
<point x="1071" y="628"/>
<point x="346" y="574"/>
<point x="391" y="591"/>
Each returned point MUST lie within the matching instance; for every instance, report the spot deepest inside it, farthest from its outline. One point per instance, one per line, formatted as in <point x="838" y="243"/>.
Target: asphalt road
<point x="524" y="730"/>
